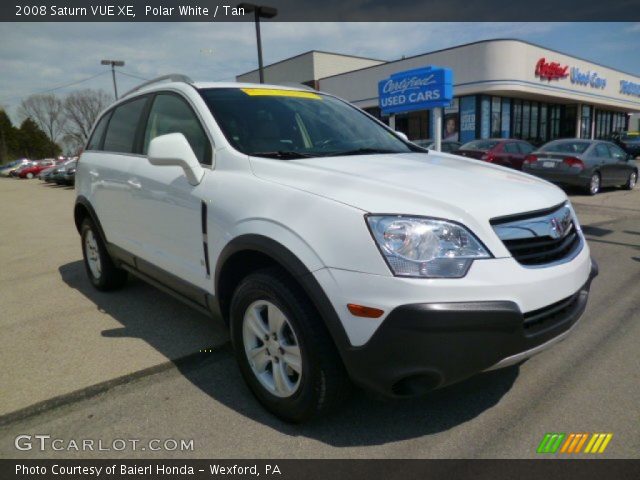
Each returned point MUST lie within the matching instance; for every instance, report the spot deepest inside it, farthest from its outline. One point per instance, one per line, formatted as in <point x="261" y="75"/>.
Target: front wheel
<point x="594" y="184"/>
<point x="29" y="175"/>
<point x="283" y="348"/>
<point x="102" y="272"/>
<point x="631" y="181"/>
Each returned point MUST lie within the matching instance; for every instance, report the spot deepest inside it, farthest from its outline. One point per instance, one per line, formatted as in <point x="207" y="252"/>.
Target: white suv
<point x="333" y="248"/>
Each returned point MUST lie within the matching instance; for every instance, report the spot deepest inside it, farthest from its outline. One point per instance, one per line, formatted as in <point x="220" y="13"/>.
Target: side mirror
<point x="174" y="150"/>
<point x="402" y="136"/>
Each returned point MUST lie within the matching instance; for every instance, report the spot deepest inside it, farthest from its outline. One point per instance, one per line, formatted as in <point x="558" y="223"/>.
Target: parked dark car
<point x="66" y="175"/>
<point x="447" y="146"/>
<point x="630" y="142"/>
<point x="589" y="164"/>
<point x="51" y="175"/>
<point x="501" y="151"/>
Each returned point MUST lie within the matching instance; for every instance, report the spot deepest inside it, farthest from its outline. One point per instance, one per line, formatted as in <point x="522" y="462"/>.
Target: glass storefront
<point x="483" y="116"/>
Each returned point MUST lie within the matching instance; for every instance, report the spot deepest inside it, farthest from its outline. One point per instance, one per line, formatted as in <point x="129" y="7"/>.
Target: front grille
<point x="548" y="316"/>
<point x="540" y="238"/>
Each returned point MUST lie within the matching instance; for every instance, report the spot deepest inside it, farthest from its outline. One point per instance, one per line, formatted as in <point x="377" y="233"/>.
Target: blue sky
<point x="36" y="57"/>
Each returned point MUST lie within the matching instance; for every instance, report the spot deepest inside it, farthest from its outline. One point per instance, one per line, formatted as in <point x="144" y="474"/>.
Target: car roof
<point x="203" y="85"/>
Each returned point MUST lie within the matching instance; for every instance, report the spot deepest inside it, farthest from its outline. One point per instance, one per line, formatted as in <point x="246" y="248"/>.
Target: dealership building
<point x="502" y="88"/>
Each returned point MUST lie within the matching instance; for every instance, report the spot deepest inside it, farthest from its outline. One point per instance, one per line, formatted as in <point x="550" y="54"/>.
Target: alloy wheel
<point x="93" y="255"/>
<point x="272" y="348"/>
<point x="594" y="185"/>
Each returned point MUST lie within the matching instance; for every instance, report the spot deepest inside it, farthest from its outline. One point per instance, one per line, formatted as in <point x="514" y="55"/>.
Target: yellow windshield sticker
<point x="272" y="92"/>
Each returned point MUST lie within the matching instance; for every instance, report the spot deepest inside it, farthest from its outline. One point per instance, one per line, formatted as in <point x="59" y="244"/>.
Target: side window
<point x="98" y="133"/>
<point x="525" y="148"/>
<point x="511" y="147"/>
<point x="171" y="114"/>
<point x="602" y="151"/>
<point x="121" y="131"/>
<point x="617" y="152"/>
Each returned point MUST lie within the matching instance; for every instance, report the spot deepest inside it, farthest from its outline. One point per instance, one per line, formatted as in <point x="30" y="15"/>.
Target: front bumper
<point x="420" y="347"/>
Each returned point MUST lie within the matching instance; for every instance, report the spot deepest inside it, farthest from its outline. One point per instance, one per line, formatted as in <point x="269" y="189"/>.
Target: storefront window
<point x="534" y="123"/>
<point x="543" y="123"/>
<point x="526" y="120"/>
<point x="554" y="122"/>
<point x="414" y="125"/>
<point x="516" y="119"/>
<point x="585" y="122"/>
<point x="496" y="117"/>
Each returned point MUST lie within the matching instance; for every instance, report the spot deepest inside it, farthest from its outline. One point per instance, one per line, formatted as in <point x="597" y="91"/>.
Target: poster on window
<point x="467" y="119"/>
<point x="451" y="127"/>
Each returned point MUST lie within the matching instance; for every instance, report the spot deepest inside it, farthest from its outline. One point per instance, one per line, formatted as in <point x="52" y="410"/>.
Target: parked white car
<point x="334" y="249"/>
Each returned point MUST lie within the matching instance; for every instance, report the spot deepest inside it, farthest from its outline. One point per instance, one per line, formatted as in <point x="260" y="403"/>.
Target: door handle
<point x="134" y="183"/>
<point x="94" y="174"/>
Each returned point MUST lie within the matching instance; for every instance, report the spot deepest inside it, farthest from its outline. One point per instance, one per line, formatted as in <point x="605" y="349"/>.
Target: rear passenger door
<point x="606" y="164"/>
<point x="511" y="154"/>
<point x="622" y="165"/>
<point x="524" y="149"/>
<point x="107" y="169"/>
<point x="167" y="209"/>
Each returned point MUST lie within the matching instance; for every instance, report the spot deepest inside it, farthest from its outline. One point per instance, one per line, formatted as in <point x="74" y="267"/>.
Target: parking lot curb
<point x="189" y="360"/>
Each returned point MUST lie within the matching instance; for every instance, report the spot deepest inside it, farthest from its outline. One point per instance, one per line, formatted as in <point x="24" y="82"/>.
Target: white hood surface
<point x="428" y="184"/>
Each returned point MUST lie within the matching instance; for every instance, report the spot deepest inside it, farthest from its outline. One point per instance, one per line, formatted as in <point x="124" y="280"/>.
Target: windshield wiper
<point x="362" y="151"/>
<point x="284" y="154"/>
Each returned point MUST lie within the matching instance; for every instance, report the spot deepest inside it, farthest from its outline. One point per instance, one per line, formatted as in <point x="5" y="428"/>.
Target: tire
<point x="594" y="184"/>
<point x="102" y="272"/>
<point x="631" y="181"/>
<point x="322" y="382"/>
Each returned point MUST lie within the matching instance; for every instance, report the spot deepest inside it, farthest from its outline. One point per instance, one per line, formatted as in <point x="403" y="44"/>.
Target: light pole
<point x="113" y="63"/>
<point x="264" y="12"/>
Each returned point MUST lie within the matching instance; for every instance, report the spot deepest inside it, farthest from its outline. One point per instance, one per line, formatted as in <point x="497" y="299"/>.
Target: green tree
<point x="33" y="143"/>
<point x="8" y="139"/>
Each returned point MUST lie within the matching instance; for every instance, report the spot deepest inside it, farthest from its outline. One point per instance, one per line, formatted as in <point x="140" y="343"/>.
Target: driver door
<point x="167" y="209"/>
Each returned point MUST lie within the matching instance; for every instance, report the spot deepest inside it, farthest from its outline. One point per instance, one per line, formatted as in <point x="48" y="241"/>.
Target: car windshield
<point x="289" y="124"/>
<point x="481" y="145"/>
<point x="565" y="146"/>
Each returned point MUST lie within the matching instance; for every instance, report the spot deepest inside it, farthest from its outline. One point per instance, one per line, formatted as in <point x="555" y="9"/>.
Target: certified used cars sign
<point x="417" y="89"/>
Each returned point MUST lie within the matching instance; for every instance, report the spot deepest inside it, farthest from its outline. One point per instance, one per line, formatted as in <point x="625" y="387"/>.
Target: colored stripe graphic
<point x="550" y="443"/>
<point x="598" y="442"/>
<point x="573" y="443"/>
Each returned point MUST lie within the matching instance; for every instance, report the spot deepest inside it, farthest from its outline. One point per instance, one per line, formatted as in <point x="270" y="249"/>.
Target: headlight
<point x="423" y="247"/>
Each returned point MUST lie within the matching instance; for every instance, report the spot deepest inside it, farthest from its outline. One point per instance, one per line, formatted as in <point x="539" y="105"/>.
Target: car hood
<point x="429" y="184"/>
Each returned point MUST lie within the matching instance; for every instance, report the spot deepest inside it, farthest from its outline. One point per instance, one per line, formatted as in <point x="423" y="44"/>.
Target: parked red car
<point x="30" y="171"/>
<point x="501" y="151"/>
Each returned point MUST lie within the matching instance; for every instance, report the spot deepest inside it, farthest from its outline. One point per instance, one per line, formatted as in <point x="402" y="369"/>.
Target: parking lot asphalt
<point x="60" y="336"/>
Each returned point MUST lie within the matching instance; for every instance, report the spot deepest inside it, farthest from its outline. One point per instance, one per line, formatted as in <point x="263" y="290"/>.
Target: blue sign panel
<point x="418" y="89"/>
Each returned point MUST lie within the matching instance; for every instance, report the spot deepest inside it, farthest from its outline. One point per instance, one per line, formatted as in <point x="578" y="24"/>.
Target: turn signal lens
<point x="362" y="311"/>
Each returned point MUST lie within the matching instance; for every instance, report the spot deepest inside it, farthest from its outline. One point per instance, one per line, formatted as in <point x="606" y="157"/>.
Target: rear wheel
<point x="283" y="348"/>
<point x="102" y="272"/>
<point x="29" y="175"/>
<point x="631" y="181"/>
<point x="594" y="184"/>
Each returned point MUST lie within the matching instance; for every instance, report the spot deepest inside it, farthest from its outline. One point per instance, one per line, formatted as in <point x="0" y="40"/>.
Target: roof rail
<point x="172" y="77"/>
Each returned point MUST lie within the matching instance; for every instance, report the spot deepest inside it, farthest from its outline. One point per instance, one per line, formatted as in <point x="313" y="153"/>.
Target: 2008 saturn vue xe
<point x="335" y="250"/>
